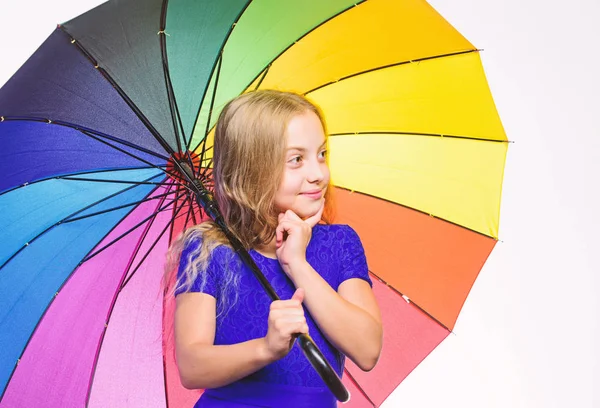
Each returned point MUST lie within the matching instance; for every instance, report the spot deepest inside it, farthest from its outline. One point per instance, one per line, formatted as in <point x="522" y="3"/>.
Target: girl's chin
<point x="306" y="212"/>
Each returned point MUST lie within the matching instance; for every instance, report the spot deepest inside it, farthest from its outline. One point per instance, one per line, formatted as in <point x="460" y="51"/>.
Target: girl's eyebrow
<point x="302" y="149"/>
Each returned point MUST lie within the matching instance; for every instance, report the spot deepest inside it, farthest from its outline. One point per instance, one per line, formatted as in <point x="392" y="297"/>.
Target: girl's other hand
<point x="292" y="237"/>
<point x="286" y="317"/>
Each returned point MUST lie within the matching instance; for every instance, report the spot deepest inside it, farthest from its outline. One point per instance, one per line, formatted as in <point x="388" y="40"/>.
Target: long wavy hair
<point x="248" y="165"/>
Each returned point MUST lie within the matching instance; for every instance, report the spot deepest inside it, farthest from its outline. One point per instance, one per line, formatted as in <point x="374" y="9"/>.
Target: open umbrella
<point x="97" y="124"/>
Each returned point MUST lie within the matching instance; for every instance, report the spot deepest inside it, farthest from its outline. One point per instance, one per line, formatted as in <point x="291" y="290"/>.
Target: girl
<point x="273" y="188"/>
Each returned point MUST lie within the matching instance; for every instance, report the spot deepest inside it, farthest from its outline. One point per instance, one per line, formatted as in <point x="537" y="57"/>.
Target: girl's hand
<point x="286" y="317"/>
<point x="292" y="237"/>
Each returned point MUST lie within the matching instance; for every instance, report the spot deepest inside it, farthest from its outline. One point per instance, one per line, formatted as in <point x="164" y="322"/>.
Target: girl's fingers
<point x="289" y="214"/>
<point x="298" y="295"/>
<point x="284" y="226"/>
<point x="295" y="301"/>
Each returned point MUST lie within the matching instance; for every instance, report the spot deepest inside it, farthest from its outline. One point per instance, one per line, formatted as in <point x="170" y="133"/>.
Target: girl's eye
<point x="295" y="159"/>
<point x="323" y="153"/>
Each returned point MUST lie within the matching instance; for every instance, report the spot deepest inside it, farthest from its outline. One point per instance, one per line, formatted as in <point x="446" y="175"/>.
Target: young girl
<point x="272" y="186"/>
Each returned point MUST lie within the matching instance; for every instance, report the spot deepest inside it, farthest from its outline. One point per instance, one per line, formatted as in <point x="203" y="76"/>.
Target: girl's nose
<point x="316" y="172"/>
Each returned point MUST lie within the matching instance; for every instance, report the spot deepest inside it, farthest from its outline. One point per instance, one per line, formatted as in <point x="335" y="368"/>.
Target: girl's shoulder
<point x="335" y="236"/>
<point x="193" y="245"/>
<point x="335" y="230"/>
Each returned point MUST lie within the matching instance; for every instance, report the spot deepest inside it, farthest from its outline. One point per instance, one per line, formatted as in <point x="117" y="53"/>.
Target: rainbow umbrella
<point x="94" y="124"/>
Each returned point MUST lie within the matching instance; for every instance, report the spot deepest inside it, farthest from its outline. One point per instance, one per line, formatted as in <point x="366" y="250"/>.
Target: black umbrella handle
<point x="308" y="346"/>
<point x="323" y="368"/>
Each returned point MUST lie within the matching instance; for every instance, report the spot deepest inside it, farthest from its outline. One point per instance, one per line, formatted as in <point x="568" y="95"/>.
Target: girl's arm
<point x="349" y="318"/>
<point x="204" y="365"/>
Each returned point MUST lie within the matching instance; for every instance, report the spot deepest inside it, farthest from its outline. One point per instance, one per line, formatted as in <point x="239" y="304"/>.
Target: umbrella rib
<point x="186" y="152"/>
<point x="128" y="153"/>
<point x="415" y="209"/>
<point x="165" y="65"/>
<point x="68" y="216"/>
<point x="173" y="175"/>
<point x="191" y="211"/>
<point x="205" y="170"/>
<point x="83" y="130"/>
<point x="262" y="71"/>
<point x="74" y="174"/>
<point x="92" y="180"/>
<point x="212" y="102"/>
<point x="214" y="67"/>
<point x="114" y="241"/>
<point x="117" y="208"/>
<point x="174" y="108"/>
<point x="409" y="300"/>
<point x="112" y="305"/>
<point x="165" y="145"/>
<point x="419" y="134"/>
<point x="452" y="54"/>
<point x="176" y="216"/>
<point x="362" y="391"/>
<point x="263" y="76"/>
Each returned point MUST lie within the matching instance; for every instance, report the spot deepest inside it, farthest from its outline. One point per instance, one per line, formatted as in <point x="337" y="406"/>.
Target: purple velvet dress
<point x="336" y="253"/>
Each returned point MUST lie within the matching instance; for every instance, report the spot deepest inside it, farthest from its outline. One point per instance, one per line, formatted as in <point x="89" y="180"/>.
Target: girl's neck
<point x="268" y="249"/>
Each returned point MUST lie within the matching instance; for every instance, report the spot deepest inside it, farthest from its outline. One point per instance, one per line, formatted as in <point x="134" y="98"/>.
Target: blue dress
<point x="337" y="254"/>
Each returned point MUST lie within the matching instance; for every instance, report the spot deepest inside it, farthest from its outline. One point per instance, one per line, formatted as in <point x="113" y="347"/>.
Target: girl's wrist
<point x="264" y="354"/>
<point x="297" y="269"/>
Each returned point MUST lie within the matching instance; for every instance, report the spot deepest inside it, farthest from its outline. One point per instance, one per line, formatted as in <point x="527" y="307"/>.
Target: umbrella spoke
<point x="179" y="123"/>
<point x="205" y="170"/>
<point x="168" y="226"/>
<point x="87" y="132"/>
<point x="408" y="300"/>
<point x="415" y="209"/>
<point x="452" y="54"/>
<point x="114" y="241"/>
<point x="210" y="110"/>
<point x="220" y="53"/>
<point x="175" y="117"/>
<point x="263" y="75"/>
<point x="161" y="183"/>
<point x="358" y="387"/>
<point x="129" y="154"/>
<point x="174" y="109"/>
<point x="69" y="216"/>
<point x="419" y="134"/>
<point x="118" y="208"/>
<point x="191" y="211"/>
<point x="77" y="174"/>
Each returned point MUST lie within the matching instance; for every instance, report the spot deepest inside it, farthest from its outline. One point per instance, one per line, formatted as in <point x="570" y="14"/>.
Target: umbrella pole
<point x="308" y="346"/>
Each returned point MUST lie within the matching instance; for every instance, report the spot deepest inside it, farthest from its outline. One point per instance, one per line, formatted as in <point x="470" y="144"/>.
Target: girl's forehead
<point x="305" y="130"/>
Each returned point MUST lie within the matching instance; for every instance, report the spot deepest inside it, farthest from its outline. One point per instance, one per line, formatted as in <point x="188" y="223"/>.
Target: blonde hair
<point x="248" y="166"/>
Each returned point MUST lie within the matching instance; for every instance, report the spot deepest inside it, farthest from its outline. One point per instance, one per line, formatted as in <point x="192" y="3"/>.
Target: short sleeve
<point x="206" y="281"/>
<point x="354" y="262"/>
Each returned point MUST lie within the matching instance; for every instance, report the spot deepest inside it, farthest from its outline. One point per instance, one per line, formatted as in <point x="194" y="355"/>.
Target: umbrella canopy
<point x="91" y="127"/>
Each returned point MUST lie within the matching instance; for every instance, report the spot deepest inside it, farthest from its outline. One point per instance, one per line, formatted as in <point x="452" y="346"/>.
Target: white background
<point x="529" y="333"/>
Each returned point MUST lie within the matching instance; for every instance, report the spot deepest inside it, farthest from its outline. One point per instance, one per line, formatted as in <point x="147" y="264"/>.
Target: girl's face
<point x="306" y="173"/>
